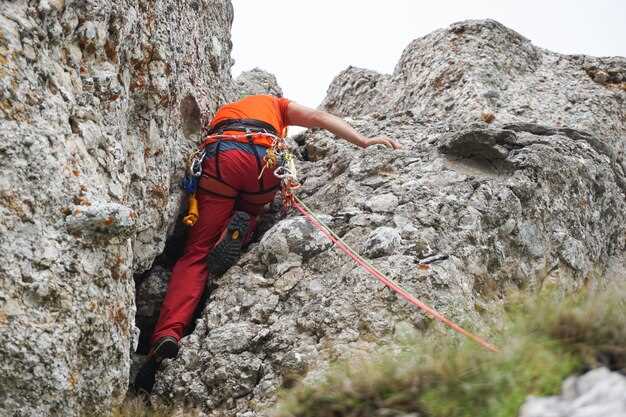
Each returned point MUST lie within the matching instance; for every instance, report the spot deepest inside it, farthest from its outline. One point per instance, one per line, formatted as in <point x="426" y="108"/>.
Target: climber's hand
<point x="382" y="140"/>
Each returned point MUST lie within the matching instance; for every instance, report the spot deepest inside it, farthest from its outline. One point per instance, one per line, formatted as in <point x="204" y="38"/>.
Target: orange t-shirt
<point x="269" y="109"/>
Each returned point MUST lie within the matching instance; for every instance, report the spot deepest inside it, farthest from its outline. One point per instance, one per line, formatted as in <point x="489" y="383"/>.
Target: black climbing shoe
<point x="228" y="248"/>
<point x="164" y="348"/>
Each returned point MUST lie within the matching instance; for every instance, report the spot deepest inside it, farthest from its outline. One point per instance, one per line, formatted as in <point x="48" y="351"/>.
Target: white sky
<point x="306" y="43"/>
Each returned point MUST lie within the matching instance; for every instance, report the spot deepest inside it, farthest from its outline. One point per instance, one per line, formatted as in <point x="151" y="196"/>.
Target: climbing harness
<point x="278" y="158"/>
<point x="429" y="311"/>
<point x="253" y="131"/>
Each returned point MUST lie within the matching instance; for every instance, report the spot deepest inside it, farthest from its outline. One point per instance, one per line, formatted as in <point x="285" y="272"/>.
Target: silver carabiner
<point x="196" y="164"/>
<point x="196" y="168"/>
<point x="281" y="172"/>
<point x="285" y="173"/>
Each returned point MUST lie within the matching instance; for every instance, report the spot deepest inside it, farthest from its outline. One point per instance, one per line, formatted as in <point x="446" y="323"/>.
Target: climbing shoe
<point x="228" y="248"/>
<point x="164" y="348"/>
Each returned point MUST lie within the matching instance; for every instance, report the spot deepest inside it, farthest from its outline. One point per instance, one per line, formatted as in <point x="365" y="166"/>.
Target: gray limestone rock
<point x="598" y="393"/>
<point x="150" y="293"/>
<point x="511" y="165"/>
<point x="489" y="144"/>
<point x="382" y="241"/>
<point x="384" y="203"/>
<point x="257" y="81"/>
<point x="99" y="104"/>
<point x="355" y="91"/>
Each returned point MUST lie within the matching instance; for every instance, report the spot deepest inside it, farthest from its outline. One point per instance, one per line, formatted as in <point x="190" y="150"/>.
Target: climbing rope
<point x="337" y="241"/>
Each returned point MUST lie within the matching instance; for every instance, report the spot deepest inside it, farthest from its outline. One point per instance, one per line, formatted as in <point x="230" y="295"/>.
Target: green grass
<point x="545" y="339"/>
<point x="136" y="407"/>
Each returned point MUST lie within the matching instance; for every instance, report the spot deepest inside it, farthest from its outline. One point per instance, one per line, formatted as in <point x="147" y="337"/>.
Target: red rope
<point x="392" y="285"/>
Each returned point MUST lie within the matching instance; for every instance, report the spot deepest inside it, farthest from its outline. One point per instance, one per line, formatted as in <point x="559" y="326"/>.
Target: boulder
<point x="100" y="101"/>
<point x="598" y="393"/>
<point x="257" y="81"/>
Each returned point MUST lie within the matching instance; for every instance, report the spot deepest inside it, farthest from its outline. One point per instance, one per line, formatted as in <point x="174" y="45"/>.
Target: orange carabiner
<point x="192" y="211"/>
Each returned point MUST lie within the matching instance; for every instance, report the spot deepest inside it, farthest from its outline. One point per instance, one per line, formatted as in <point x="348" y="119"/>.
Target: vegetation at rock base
<point x="137" y="407"/>
<point x="545" y="339"/>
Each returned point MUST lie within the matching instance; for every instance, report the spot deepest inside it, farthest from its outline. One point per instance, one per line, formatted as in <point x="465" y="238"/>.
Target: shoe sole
<point x="227" y="252"/>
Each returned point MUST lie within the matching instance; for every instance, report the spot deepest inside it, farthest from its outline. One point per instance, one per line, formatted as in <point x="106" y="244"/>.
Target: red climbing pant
<point x="236" y="165"/>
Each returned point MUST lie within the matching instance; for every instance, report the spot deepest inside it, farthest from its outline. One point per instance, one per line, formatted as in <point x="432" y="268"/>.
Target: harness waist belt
<point x="255" y="132"/>
<point x="228" y="145"/>
<point x="243" y="125"/>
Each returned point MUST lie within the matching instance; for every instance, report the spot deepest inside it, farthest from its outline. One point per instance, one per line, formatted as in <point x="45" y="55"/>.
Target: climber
<point x="231" y="192"/>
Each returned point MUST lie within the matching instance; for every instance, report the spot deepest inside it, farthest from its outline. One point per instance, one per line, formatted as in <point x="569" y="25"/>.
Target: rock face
<point x="470" y="69"/>
<point x="512" y="166"/>
<point x="99" y="103"/>
<point x="599" y="393"/>
<point x="257" y="81"/>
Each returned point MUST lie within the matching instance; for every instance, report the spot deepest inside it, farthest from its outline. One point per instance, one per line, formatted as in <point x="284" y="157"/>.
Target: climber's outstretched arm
<point x="300" y="115"/>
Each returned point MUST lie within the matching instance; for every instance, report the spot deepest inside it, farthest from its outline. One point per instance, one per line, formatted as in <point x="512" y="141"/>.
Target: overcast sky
<point x="306" y="43"/>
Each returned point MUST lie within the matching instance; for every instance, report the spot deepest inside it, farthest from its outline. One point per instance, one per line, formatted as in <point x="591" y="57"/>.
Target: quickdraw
<point x="281" y="160"/>
<point x="190" y="185"/>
